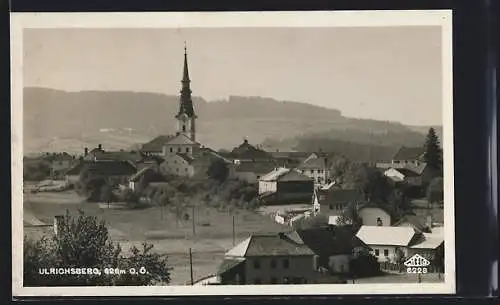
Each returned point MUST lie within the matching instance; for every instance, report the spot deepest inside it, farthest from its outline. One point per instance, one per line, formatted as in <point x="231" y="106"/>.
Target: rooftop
<point x="330" y="241"/>
<point x="285" y="174"/>
<point x="106" y="168"/>
<point x="156" y="144"/>
<point x="390" y="236"/>
<point x="269" y="245"/>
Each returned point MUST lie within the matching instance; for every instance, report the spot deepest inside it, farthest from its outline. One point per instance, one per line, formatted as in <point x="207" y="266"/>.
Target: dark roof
<point x="275" y="245"/>
<point x="407" y="172"/>
<point x="337" y="195"/>
<point x="248" y="151"/>
<point x="106" y="168"/>
<point x="156" y="144"/>
<point x="328" y="241"/>
<point x="119" y="156"/>
<point x="291" y="154"/>
<point x="228" y="264"/>
<point x="320" y="162"/>
<point x="417" y="221"/>
<point x="409" y="153"/>
<point x="256" y="167"/>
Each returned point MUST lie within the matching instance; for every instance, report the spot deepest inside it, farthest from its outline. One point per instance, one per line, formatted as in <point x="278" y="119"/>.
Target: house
<point x="151" y="161"/>
<point x="333" y="201"/>
<point x="117" y="171"/>
<point x="409" y="155"/>
<point x="155" y="146"/>
<point x="178" y="164"/>
<point x="180" y="144"/>
<point x="268" y="259"/>
<point x="90" y="155"/>
<point x="316" y="167"/>
<point x="204" y="158"/>
<point x="431" y="245"/>
<point x="405" y="175"/>
<point x="290" y="217"/>
<point x="386" y="241"/>
<point x="252" y="171"/>
<point x="374" y="215"/>
<point x="334" y="246"/>
<point x="285" y="186"/>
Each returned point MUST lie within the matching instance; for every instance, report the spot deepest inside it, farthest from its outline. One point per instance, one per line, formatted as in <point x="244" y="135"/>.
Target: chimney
<point x="58" y="221"/>
<point x="379" y="222"/>
<point x="245" y="141"/>
<point x="99" y="146"/>
<point x="86" y="151"/>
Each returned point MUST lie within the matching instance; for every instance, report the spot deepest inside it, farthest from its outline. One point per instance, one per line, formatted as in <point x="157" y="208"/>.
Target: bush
<point x="364" y="264"/>
<point x="83" y="241"/>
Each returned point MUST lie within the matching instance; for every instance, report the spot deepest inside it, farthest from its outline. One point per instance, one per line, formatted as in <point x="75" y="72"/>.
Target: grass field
<point x="212" y="237"/>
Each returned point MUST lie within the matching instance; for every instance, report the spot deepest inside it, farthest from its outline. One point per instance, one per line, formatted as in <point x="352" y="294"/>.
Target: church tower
<point x="186" y="117"/>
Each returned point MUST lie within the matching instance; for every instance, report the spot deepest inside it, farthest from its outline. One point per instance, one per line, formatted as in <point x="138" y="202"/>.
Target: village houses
<point x="285" y="186"/>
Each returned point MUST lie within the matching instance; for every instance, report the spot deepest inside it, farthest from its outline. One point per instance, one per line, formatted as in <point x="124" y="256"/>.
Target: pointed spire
<point x="185" y="76"/>
<point x="186" y="103"/>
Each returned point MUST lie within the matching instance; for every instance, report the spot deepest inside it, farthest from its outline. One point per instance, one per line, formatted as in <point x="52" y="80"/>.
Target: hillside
<point x="67" y="121"/>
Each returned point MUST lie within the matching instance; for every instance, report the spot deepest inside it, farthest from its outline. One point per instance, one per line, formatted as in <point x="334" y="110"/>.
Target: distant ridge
<point x="56" y="120"/>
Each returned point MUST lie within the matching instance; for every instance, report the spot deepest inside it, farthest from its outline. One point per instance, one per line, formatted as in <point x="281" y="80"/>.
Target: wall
<point x="320" y="175"/>
<point x="176" y="165"/>
<point x="391" y="252"/>
<point x="267" y="186"/>
<point x="299" y="267"/>
<point x="370" y="215"/>
<point x="179" y="148"/>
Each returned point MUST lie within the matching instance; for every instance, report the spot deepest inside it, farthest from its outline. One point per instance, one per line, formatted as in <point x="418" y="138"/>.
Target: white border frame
<point x="19" y="21"/>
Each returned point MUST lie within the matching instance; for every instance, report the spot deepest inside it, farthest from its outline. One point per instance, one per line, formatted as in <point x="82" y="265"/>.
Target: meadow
<point x="211" y="238"/>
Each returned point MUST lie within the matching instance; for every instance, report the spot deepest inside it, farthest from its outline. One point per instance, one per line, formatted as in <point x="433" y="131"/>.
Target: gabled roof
<point x="328" y="241"/>
<point x="75" y="170"/>
<point x="135" y="177"/>
<point x="111" y="168"/>
<point x="409" y="153"/>
<point x="228" y="264"/>
<point x="269" y="245"/>
<point x="285" y="174"/>
<point x="407" y="172"/>
<point x="180" y="139"/>
<point x="156" y="144"/>
<point x="383" y="235"/>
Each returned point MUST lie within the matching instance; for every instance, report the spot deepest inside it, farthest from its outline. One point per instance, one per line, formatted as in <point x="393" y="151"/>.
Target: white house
<point x="373" y="215"/>
<point x="404" y="175"/>
<point x="385" y="241"/>
<point x="316" y="167"/>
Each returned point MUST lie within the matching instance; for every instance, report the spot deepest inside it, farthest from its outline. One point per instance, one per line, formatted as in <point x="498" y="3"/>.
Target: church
<point x="181" y="151"/>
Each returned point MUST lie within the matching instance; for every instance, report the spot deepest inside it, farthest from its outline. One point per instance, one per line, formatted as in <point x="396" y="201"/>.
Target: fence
<point x="401" y="268"/>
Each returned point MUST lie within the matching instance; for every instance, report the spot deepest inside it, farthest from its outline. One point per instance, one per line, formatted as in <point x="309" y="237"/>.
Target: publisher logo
<point x="417" y="264"/>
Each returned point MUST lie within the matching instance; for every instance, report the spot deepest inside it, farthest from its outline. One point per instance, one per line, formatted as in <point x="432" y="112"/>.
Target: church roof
<point x="180" y="139"/>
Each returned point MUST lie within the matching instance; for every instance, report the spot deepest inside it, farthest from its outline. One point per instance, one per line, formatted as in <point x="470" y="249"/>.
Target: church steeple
<point x="186" y="116"/>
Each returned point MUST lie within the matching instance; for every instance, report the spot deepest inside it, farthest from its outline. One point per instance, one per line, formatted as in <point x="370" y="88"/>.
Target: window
<point x="379" y="222"/>
<point x="331" y="206"/>
<point x="257" y="281"/>
<point x="273" y="264"/>
<point x="185" y="169"/>
<point x="256" y="264"/>
<point x="286" y="263"/>
<point x="274" y="280"/>
<point x="183" y="128"/>
<point x="171" y="149"/>
<point x="178" y="149"/>
<point x="377" y="252"/>
<point x="187" y="149"/>
<point x="258" y="177"/>
<point x="386" y="252"/>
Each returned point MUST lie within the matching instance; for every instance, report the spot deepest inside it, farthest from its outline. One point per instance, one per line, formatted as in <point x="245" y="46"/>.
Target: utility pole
<point x="194" y="224"/>
<point x="191" y="265"/>
<point x="234" y="233"/>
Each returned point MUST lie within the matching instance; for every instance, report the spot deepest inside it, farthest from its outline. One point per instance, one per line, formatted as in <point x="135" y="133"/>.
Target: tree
<point x="433" y="152"/>
<point x="399" y="258"/>
<point x="350" y="216"/>
<point x="106" y="193"/>
<point x="364" y="264"/>
<point x="435" y="192"/>
<point x="373" y="183"/>
<point x="83" y="241"/>
<point x="91" y="183"/>
<point x="218" y="170"/>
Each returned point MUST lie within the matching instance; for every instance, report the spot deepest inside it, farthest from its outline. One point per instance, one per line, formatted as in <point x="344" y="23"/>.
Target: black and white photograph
<point x="251" y="153"/>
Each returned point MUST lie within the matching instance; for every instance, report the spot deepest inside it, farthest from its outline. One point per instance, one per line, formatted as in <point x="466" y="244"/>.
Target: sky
<point x="382" y="73"/>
